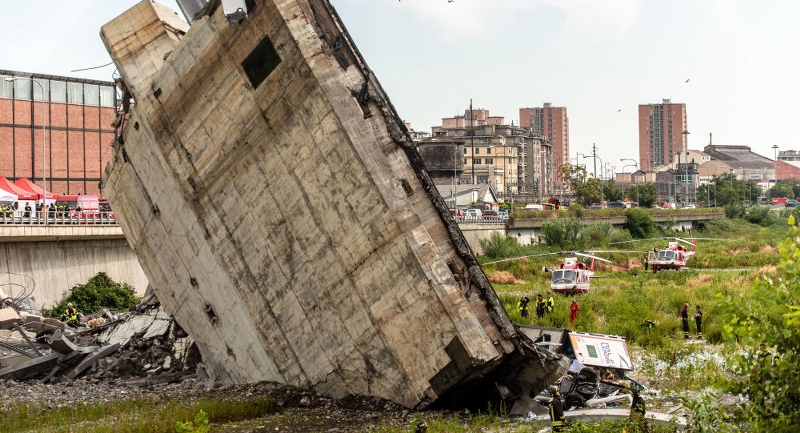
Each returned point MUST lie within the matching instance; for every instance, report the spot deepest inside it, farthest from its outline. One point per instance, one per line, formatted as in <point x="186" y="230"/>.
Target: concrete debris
<point x="143" y="347"/>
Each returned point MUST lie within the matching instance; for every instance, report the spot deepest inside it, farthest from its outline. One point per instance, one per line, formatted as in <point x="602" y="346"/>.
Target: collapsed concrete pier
<point x="279" y="209"/>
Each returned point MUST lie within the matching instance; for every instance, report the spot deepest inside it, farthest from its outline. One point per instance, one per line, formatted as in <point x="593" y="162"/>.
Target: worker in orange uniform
<point x="573" y="311"/>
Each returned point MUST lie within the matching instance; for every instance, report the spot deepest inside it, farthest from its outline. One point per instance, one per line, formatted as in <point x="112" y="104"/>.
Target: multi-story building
<point x="551" y="123"/>
<point x="662" y="133"/>
<point x="73" y="116"/>
<point x="514" y="162"/>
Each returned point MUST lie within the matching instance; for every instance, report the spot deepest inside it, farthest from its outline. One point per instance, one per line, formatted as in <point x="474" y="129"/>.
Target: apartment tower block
<point x="662" y="133"/>
<point x="551" y="123"/>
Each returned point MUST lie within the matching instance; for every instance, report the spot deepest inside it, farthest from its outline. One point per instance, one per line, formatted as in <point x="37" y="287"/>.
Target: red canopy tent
<point x="32" y="187"/>
<point x="22" y="194"/>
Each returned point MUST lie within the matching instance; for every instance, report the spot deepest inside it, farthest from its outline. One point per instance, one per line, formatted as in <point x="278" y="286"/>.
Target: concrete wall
<point x="48" y="270"/>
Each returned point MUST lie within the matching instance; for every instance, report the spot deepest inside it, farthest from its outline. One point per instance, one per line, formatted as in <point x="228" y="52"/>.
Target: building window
<point x="107" y="96"/>
<point x="58" y="91"/>
<point x="488" y="150"/>
<point x="477" y="151"/>
<point x="6" y="88"/>
<point x="476" y="161"/>
<point x="91" y="94"/>
<point x="488" y="161"/>
<point x="22" y="89"/>
<point x="75" y="93"/>
<point x="37" y="91"/>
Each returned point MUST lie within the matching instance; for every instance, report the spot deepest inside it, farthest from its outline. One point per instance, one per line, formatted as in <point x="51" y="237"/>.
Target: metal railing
<point x="57" y="218"/>
<point x="480" y="220"/>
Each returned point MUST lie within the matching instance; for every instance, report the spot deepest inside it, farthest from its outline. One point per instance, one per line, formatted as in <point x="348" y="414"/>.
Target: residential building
<point x="509" y="158"/>
<point x="551" y="123"/>
<point x="74" y="118"/>
<point x="662" y="133"/>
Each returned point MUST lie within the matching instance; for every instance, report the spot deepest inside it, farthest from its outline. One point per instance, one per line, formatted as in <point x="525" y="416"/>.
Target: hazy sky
<point x="599" y="59"/>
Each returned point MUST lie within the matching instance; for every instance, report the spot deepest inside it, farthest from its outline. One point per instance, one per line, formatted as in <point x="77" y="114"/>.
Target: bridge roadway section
<point x="49" y="260"/>
<point x="528" y="231"/>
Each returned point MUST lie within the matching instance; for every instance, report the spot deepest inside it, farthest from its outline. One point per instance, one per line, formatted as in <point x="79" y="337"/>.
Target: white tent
<point x="8" y="196"/>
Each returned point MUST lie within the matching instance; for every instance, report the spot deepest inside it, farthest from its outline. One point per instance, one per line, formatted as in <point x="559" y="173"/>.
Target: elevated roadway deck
<point x="47" y="261"/>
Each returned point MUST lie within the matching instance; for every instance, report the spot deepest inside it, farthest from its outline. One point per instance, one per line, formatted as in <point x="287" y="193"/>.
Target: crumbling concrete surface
<point x="134" y="348"/>
<point x="280" y="210"/>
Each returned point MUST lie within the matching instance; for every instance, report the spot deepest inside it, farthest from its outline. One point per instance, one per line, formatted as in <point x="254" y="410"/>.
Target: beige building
<point x="510" y="159"/>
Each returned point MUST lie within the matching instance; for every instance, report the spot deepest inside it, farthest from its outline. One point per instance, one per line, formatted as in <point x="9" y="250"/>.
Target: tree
<point x="575" y="177"/>
<point x="646" y="194"/>
<point x="612" y="192"/>
<point x="767" y="371"/>
<point x="786" y="188"/>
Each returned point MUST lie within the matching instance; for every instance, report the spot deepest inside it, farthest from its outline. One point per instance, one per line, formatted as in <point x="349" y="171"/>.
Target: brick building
<point x="551" y="123"/>
<point x="661" y="133"/>
<point x="76" y="128"/>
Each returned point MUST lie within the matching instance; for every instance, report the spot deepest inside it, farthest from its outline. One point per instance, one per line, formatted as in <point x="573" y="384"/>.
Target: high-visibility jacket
<point x="557" y="417"/>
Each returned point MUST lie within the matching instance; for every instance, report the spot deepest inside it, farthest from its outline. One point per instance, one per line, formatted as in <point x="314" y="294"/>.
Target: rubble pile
<point x="142" y="347"/>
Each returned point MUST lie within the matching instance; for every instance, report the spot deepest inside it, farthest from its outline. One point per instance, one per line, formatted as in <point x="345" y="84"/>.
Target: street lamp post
<point x="44" y="144"/>
<point x="595" y="174"/>
<point x="635" y="164"/>
<point x="775" y="162"/>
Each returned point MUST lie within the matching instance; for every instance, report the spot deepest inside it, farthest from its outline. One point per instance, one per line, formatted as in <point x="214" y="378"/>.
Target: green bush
<point x="562" y="232"/>
<point x="760" y="215"/>
<point x="98" y="293"/>
<point x="639" y="223"/>
<point x="576" y="211"/>
<point x="498" y="246"/>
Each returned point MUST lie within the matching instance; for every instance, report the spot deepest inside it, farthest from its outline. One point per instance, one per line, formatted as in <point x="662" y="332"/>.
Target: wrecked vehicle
<point x="279" y="208"/>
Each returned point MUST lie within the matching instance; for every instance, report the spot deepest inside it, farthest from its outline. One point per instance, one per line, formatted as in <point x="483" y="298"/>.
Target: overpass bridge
<point x="46" y="260"/>
<point x="49" y="259"/>
<point x="528" y="230"/>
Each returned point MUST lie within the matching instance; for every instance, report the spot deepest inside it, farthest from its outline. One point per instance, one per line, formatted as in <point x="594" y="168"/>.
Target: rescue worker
<point x="550" y="302"/>
<point x="422" y="427"/>
<point x="541" y="306"/>
<point x="698" y="320"/>
<point x="638" y="410"/>
<point x="557" y="418"/>
<point x="573" y="311"/>
<point x="71" y="315"/>
<point x="523" y="306"/>
<point x="685" y="320"/>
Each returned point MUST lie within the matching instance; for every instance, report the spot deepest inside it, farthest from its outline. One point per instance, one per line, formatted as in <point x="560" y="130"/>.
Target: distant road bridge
<point x="528" y="231"/>
<point x="46" y="261"/>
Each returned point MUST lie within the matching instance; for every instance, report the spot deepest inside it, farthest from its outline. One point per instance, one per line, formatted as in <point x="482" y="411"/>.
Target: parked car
<point x="596" y="206"/>
<point x="473" y="213"/>
<point x="790" y="202"/>
<point x="617" y="205"/>
<point x="490" y="213"/>
<point x="457" y="212"/>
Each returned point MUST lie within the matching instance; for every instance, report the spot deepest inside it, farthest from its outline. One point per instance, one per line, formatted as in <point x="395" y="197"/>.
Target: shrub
<point x="639" y="223"/>
<point x="562" y="232"/>
<point x="576" y="211"/>
<point x="98" y="293"/>
<point x="760" y="215"/>
<point x="498" y="246"/>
